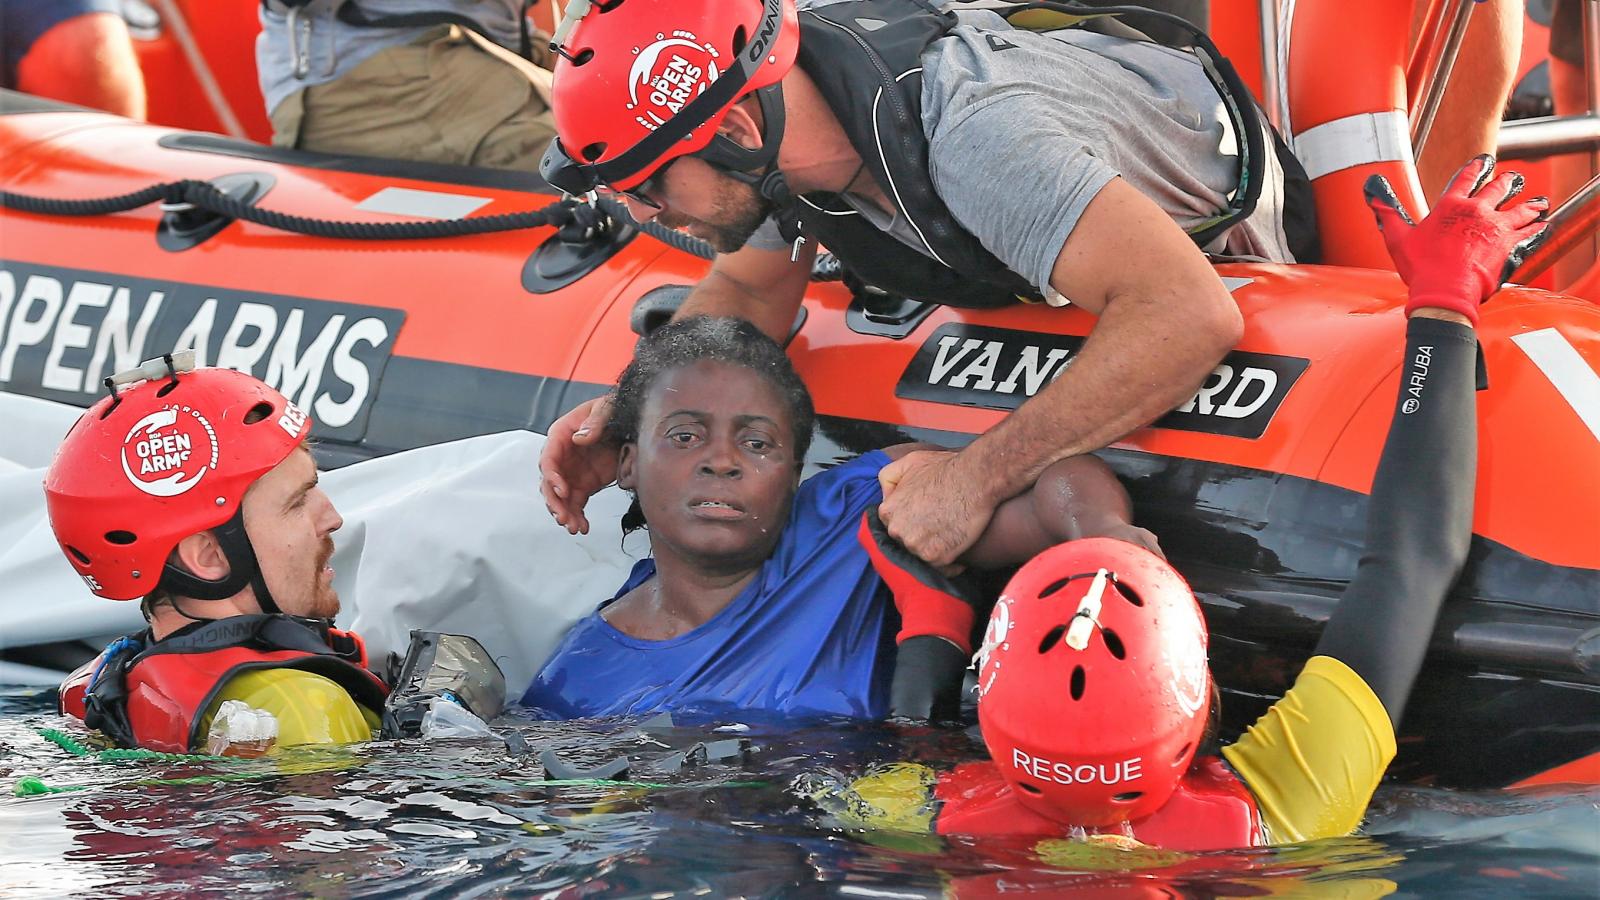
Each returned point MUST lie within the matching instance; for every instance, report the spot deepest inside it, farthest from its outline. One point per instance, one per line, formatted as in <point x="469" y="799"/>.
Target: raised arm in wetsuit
<point x="1094" y="689"/>
<point x="1419" y="520"/>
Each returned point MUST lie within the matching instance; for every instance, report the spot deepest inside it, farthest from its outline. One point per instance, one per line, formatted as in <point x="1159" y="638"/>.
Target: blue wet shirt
<point x="809" y="637"/>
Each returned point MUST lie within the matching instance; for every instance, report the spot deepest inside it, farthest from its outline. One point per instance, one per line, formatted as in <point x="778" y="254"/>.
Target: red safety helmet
<point x="157" y="461"/>
<point x="1093" y="688"/>
<point x="643" y="82"/>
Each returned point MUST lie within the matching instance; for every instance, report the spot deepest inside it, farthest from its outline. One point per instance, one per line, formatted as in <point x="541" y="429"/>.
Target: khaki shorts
<point x="440" y="99"/>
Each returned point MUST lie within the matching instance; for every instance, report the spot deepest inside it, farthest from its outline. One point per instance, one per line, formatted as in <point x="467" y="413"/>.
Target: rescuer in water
<point x="1094" y="691"/>
<point x="193" y="491"/>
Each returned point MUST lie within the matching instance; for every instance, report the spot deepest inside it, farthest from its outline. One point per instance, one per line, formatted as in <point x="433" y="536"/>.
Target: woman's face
<point x="713" y="467"/>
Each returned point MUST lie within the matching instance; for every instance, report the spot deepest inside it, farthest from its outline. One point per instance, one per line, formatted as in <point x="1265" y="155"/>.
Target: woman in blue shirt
<point x="759" y="595"/>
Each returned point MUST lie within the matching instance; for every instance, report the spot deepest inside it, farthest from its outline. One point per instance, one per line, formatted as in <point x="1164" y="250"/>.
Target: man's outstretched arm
<point x="763" y="287"/>
<point x="1165" y="319"/>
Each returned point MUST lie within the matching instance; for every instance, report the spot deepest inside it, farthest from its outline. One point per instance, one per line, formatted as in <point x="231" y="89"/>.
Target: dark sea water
<point x="475" y="819"/>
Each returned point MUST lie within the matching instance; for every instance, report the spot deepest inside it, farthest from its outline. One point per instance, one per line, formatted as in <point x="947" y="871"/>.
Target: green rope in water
<point x="32" y="787"/>
<point x="64" y="741"/>
<point x="115" y="754"/>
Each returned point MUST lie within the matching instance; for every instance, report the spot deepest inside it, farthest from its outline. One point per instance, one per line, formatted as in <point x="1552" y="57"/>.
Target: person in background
<point x="443" y="81"/>
<point x="76" y="51"/>
<point x="1569" y="91"/>
<point x="1468" y="119"/>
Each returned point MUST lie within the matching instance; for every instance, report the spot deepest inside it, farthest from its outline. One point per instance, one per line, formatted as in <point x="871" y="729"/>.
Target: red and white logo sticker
<point x="668" y="74"/>
<point x="994" y="638"/>
<point x="1188" y="679"/>
<point x="167" y="452"/>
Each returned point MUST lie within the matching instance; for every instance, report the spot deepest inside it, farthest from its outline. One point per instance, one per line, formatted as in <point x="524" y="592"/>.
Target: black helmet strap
<point x="744" y="163"/>
<point x="243" y="569"/>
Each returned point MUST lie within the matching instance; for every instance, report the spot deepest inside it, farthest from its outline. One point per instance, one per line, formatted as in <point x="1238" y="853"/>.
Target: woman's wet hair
<point x="729" y="341"/>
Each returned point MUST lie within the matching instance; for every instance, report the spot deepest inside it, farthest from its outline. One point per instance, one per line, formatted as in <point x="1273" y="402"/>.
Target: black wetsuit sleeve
<point x="1419" y="518"/>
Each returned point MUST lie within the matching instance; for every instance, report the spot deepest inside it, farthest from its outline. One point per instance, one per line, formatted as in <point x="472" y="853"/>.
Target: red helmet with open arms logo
<point x="169" y="455"/>
<point x="643" y="82"/>
<point x="1093" y="687"/>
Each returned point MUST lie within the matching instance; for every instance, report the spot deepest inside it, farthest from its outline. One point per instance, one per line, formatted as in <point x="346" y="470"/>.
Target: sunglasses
<point x="571" y="176"/>
<point x="646" y="191"/>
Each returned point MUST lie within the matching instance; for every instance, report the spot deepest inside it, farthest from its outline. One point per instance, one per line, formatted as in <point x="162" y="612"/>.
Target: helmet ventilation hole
<point x="166" y="389"/>
<point x="1128" y="593"/>
<point x="740" y="36"/>
<point x="1028" y="788"/>
<point x="1052" y="637"/>
<point x="1078" y="679"/>
<point x="593" y="151"/>
<point x="79" y="555"/>
<point x="583" y="56"/>
<point x="1055" y="586"/>
<point x="1114" y="643"/>
<point x="121" y="537"/>
<point x="258" y="413"/>
<point x="1127" y="796"/>
<point x="606" y="6"/>
<point x="1182" y="753"/>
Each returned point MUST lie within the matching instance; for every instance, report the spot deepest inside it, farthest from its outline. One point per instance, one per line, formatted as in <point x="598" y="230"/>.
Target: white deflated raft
<point x="452" y="537"/>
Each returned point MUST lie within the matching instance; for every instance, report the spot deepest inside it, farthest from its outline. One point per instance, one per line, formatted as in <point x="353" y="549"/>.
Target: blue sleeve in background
<point x="23" y="22"/>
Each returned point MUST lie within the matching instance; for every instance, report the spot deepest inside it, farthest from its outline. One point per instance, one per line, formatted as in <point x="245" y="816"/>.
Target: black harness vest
<point x="865" y="57"/>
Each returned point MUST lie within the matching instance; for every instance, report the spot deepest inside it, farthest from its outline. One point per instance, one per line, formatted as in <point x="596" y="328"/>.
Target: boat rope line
<point x="207" y="196"/>
<point x="34" y="787"/>
<point x="578" y="220"/>
<point x="672" y="237"/>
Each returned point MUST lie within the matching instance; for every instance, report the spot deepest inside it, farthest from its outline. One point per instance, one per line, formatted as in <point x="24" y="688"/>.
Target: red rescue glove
<point x="929" y="603"/>
<point x="1472" y="241"/>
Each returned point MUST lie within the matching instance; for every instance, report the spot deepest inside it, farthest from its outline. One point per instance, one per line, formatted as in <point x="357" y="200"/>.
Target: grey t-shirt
<point x="333" y="48"/>
<point x="1025" y="132"/>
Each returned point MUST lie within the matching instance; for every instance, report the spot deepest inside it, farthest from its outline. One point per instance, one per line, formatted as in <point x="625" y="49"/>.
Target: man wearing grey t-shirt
<point x="957" y="159"/>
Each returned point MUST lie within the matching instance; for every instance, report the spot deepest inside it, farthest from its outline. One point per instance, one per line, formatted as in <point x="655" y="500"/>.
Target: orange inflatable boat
<point x="1257" y="485"/>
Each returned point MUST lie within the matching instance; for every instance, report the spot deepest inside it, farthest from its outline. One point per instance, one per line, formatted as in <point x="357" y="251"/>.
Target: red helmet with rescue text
<point x="169" y="455"/>
<point x="1093" y="687"/>
<point x="643" y="82"/>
